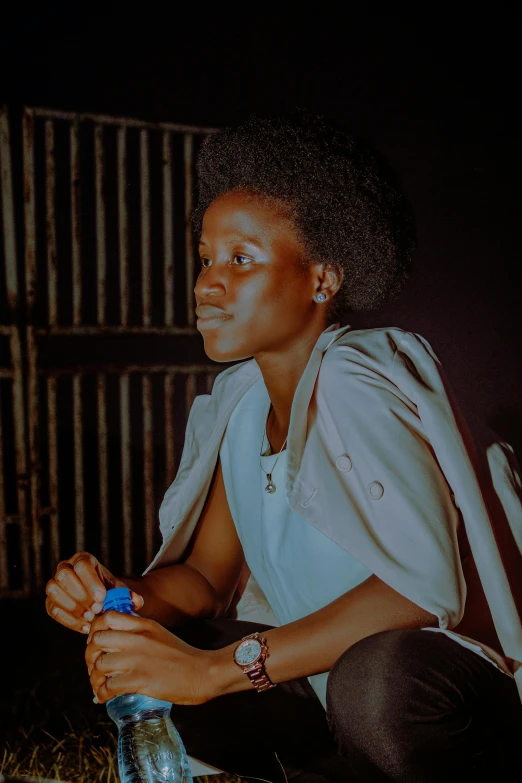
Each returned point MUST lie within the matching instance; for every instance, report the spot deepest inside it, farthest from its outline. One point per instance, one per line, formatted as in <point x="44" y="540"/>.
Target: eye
<point x="242" y="259"/>
<point x="205" y="262"/>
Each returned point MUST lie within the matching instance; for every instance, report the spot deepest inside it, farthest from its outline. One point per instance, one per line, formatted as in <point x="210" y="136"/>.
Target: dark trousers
<point x="401" y="706"/>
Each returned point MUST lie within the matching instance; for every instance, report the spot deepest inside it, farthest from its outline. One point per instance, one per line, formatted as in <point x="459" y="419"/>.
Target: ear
<point x="330" y="279"/>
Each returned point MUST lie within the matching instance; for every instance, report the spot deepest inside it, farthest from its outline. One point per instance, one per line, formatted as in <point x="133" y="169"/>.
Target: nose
<point x="211" y="283"/>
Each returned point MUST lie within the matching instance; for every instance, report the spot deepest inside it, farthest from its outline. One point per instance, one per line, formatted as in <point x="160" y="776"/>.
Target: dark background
<point x="436" y="93"/>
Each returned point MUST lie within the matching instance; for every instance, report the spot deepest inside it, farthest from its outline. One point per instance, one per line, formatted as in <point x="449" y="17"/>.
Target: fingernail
<point x="98" y="594"/>
<point x="96" y="608"/>
<point x="86" y="628"/>
<point x="95" y="700"/>
<point x="88" y="616"/>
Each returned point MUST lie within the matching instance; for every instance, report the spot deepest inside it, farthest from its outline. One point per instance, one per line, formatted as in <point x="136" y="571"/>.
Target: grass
<point x="49" y="727"/>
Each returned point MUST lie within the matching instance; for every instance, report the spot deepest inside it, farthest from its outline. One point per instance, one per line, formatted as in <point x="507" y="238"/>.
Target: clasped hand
<point x="128" y="654"/>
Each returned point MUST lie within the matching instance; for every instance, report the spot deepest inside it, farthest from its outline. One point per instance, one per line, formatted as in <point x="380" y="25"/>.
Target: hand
<point x="76" y="592"/>
<point x="127" y="654"/>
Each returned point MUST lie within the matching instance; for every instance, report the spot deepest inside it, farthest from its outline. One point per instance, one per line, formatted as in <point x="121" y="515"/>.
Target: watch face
<point x="248" y="652"/>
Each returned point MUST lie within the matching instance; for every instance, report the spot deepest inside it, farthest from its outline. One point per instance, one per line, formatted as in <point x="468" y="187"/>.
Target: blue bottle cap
<point x="116" y="595"/>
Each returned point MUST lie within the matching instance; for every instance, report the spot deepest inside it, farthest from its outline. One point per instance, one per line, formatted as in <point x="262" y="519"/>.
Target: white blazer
<point x="381" y="461"/>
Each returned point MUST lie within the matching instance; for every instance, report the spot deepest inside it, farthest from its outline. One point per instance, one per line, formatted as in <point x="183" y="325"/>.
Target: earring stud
<point x="321" y="297"/>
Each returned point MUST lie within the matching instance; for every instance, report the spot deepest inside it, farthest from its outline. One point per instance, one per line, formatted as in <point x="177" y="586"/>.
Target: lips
<point x="208" y="311"/>
<point x="212" y="322"/>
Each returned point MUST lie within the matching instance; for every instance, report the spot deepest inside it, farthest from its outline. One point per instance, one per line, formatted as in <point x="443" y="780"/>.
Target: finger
<point x="112" y="641"/>
<point x="121" y="622"/>
<point x="137" y="600"/>
<point x="116" y="686"/>
<point x="65" y="618"/>
<point x="68" y="581"/>
<point x="63" y="600"/>
<point x="111" y="664"/>
<point x="86" y="567"/>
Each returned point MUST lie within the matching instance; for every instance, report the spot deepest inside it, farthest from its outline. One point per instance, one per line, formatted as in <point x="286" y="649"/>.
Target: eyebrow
<point x="237" y="241"/>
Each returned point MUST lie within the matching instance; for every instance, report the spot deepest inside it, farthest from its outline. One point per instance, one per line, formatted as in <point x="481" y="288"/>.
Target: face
<point x="253" y="294"/>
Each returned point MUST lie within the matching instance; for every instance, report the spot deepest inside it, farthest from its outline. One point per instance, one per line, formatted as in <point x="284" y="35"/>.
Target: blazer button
<point x="376" y="490"/>
<point x="344" y="463"/>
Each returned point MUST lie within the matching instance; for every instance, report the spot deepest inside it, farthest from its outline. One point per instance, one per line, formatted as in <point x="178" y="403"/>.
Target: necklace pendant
<point x="270" y="487"/>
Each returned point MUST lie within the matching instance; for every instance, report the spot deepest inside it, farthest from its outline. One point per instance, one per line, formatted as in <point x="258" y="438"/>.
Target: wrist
<point x="224" y="675"/>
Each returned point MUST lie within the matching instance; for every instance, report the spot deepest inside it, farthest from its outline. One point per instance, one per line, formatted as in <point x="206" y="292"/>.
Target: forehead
<point x="248" y="216"/>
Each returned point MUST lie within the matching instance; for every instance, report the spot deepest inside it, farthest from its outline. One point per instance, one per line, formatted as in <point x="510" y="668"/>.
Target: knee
<point x="367" y="689"/>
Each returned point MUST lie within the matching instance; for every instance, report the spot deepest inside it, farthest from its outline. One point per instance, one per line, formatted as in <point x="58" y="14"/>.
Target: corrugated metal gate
<point x="97" y="336"/>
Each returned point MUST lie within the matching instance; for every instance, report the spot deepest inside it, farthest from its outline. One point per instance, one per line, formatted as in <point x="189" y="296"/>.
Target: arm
<point x="312" y="644"/>
<point x="203" y="586"/>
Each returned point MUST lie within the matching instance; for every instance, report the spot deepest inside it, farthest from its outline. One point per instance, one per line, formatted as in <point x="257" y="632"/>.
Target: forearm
<point x="312" y="644"/>
<point x="174" y="594"/>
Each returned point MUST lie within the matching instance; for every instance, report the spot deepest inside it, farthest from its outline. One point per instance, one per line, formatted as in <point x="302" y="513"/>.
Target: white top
<point x="299" y="569"/>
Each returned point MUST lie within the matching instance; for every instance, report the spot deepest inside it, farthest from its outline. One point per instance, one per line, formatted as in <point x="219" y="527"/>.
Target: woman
<point x="335" y="469"/>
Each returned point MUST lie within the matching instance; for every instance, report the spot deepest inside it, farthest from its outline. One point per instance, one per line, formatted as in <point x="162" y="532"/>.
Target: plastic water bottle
<point x="150" y="749"/>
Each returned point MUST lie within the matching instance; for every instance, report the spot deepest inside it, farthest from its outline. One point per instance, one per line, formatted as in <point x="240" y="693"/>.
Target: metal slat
<point x="168" y="237"/>
<point x="74" y="133"/>
<point x="103" y="467"/>
<point x="126" y="122"/>
<point x="171" y="330"/>
<point x="20" y="457"/>
<point x="34" y="456"/>
<point x="146" y="267"/>
<point x="129" y="369"/>
<point x="210" y="382"/>
<point x="100" y="226"/>
<point x="79" y="489"/>
<point x="8" y="211"/>
<point x="189" y="248"/>
<point x="4" y="575"/>
<point x="123" y="241"/>
<point x="148" y="467"/>
<point x="50" y="209"/>
<point x="52" y="446"/>
<point x="190" y="390"/>
<point x="29" y="209"/>
<point x="170" y="446"/>
<point x="126" y="471"/>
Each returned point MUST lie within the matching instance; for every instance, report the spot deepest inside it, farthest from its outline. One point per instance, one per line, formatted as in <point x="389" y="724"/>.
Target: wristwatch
<point x="250" y="655"/>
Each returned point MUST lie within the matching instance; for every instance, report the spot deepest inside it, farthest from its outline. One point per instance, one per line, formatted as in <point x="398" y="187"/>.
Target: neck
<point x="282" y="372"/>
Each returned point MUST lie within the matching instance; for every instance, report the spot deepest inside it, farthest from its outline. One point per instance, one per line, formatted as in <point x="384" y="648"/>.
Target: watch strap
<point x="256" y="672"/>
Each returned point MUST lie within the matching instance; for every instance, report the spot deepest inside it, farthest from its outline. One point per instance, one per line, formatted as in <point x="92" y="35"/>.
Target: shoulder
<point x="378" y="351"/>
<point x="374" y="368"/>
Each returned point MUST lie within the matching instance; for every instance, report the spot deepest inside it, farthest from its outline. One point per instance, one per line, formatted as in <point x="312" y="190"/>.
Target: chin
<point x="223" y="351"/>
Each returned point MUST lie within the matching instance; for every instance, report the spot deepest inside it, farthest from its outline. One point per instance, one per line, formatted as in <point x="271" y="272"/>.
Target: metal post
<point x="189" y="249"/>
<point x="29" y="209"/>
<point x="122" y="226"/>
<point x="210" y="378"/>
<point x="170" y="446"/>
<point x="20" y="457"/>
<point x="8" y="211"/>
<point x="146" y="279"/>
<point x="190" y="390"/>
<point x="50" y="208"/>
<point x="54" y="516"/>
<point x="168" y="238"/>
<point x="148" y="472"/>
<point x="101" y="255"/>
<point x="4" y="576"/>
<point x="79" y="525"/>
<point x="103" y="468"/>
<point x="126" y="472"/>
<point x="76" y="223"/>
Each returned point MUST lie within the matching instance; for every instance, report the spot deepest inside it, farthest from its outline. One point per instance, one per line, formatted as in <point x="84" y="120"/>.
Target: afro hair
<point x="344" y="199"/>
